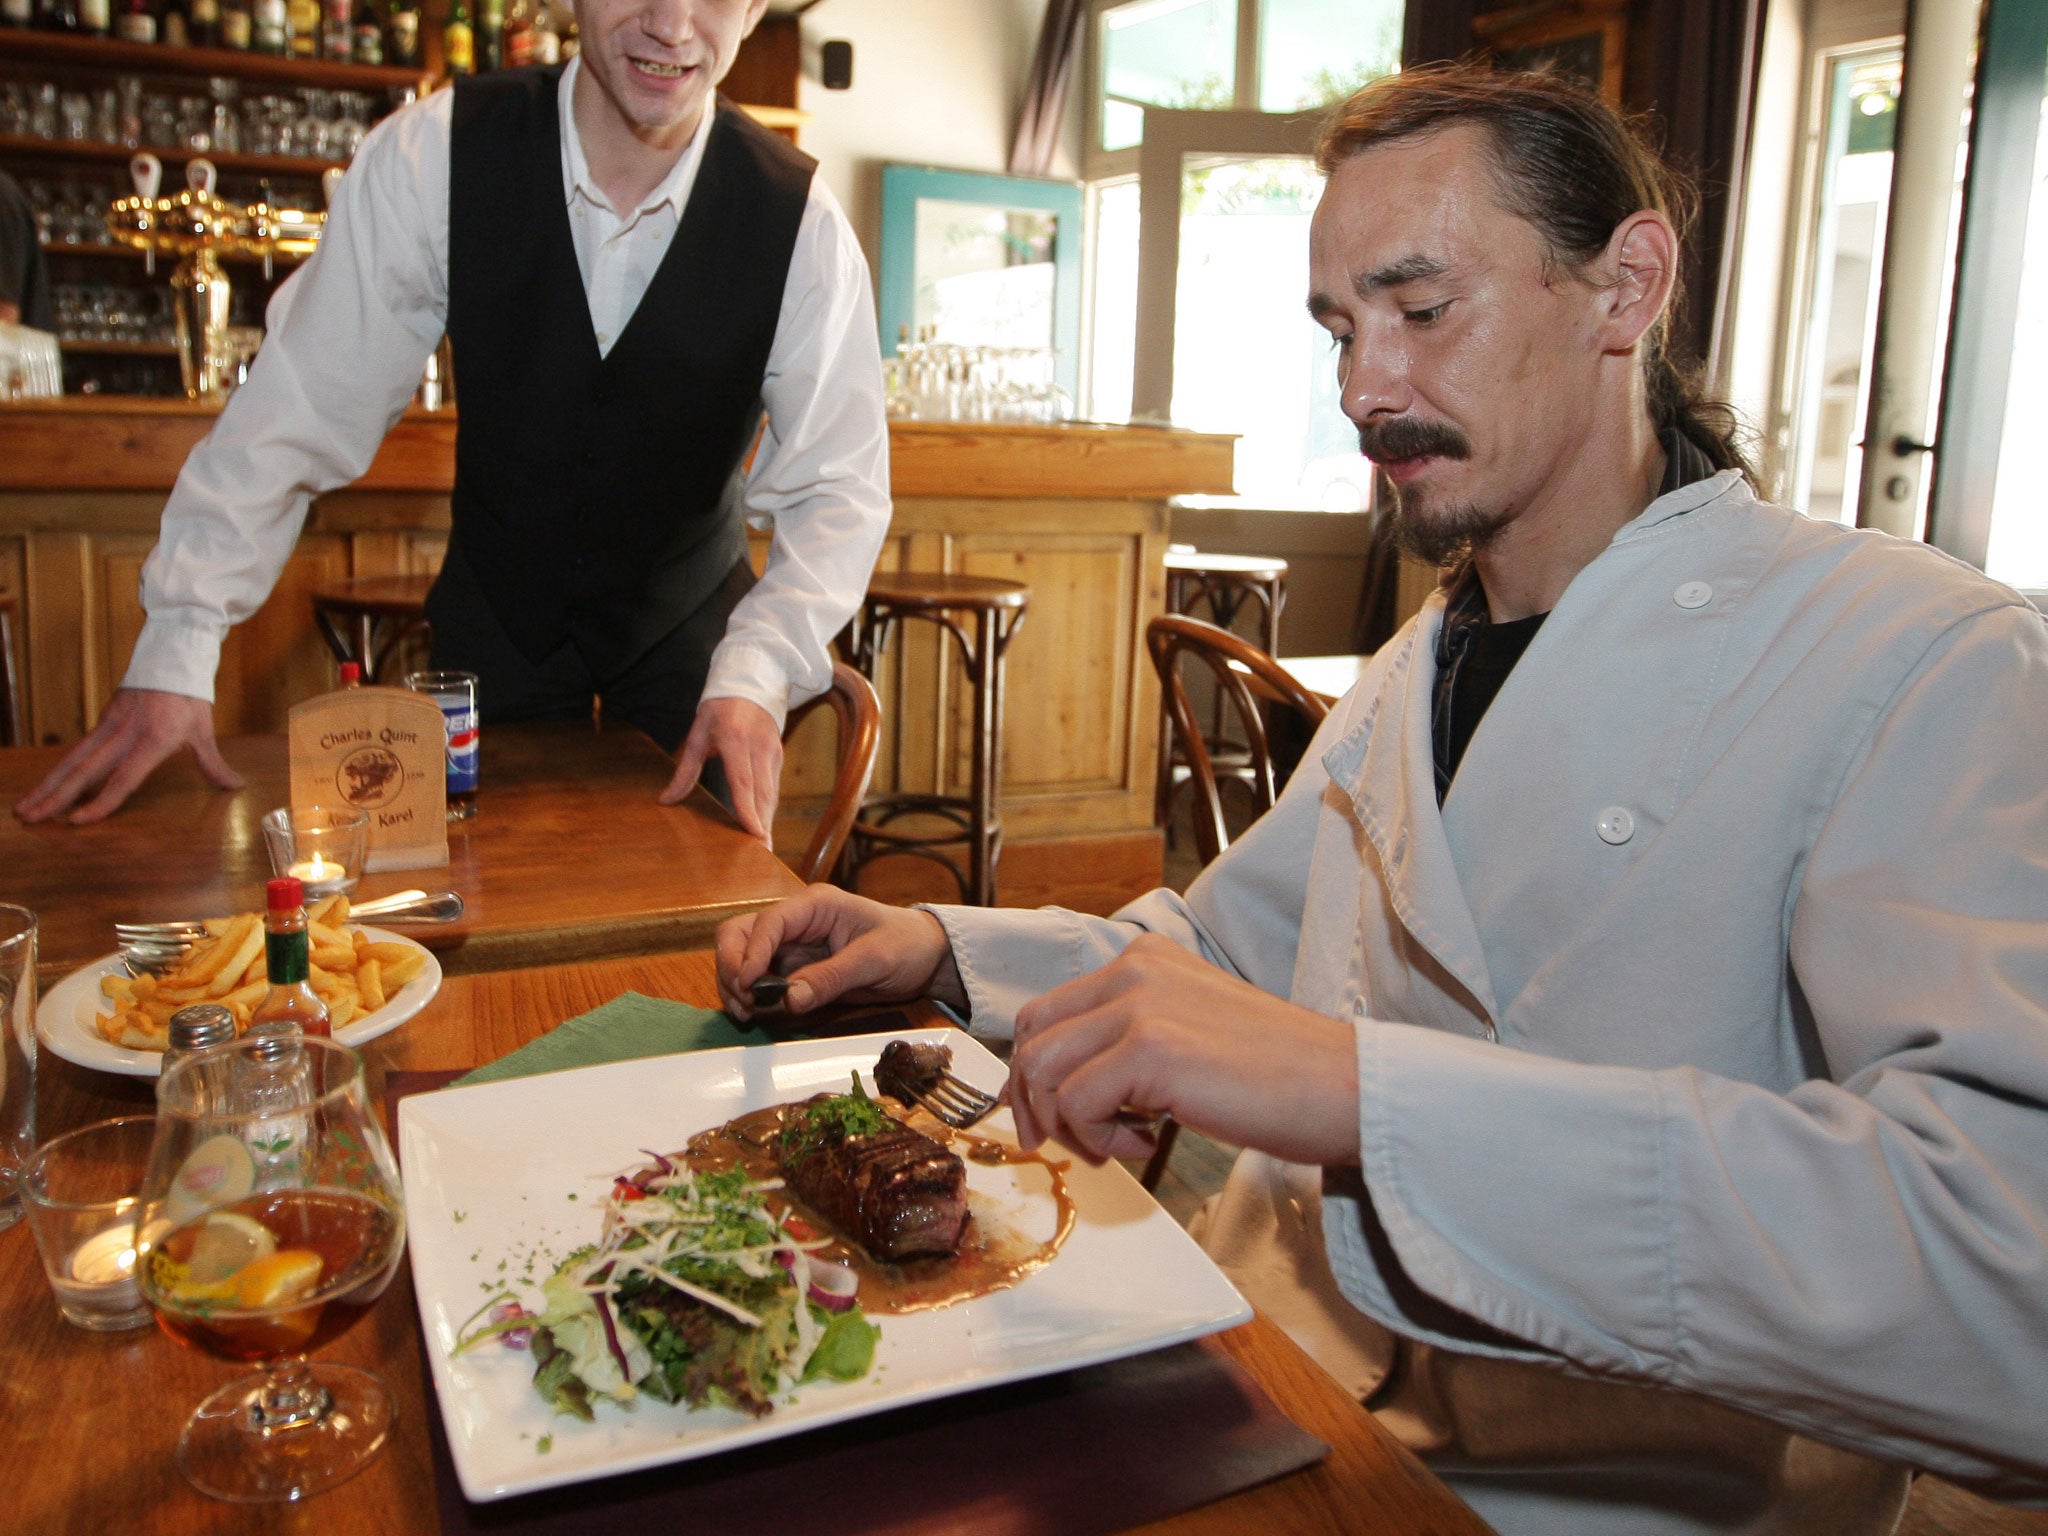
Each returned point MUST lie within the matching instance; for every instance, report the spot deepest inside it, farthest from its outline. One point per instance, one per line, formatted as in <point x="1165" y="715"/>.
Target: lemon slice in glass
<point x="227" y="1241"/>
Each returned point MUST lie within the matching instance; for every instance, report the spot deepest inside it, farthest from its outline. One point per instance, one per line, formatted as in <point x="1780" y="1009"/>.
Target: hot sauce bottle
<point x="291" y="1004"/>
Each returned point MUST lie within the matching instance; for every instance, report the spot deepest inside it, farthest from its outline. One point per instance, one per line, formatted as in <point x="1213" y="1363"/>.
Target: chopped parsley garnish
<point x="838" y="1118"/>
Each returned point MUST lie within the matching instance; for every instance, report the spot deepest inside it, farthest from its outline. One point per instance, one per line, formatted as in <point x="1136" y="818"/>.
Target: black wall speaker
<point x="835" y="64"/>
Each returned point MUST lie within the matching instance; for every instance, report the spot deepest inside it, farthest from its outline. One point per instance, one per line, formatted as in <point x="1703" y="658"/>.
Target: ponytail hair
<point x="1574" y="168"/>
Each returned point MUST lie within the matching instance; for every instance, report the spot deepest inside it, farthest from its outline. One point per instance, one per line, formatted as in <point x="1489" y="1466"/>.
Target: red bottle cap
<point x="284" y="893"/>
<point x="351" y="674"/>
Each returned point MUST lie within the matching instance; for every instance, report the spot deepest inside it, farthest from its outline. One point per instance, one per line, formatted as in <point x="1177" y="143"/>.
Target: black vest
<point x="590" y="490"/>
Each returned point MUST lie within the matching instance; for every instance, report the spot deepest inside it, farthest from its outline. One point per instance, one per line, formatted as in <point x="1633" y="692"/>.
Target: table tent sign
<point x="384" y="751"/>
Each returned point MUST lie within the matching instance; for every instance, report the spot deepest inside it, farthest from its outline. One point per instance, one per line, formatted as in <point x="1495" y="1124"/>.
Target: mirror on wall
<point x="982" y="261"/>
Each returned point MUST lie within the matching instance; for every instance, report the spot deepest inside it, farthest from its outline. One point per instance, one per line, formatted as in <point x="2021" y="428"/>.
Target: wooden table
<point x="568" y="857"/>
<point x="97" y="1415"/>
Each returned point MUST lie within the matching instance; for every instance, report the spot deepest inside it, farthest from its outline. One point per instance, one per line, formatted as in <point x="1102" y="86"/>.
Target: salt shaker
<point x="194" y="1028"/>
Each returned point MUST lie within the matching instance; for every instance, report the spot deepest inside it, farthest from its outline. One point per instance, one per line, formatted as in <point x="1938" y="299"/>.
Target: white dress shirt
<point x="350" y="332"/>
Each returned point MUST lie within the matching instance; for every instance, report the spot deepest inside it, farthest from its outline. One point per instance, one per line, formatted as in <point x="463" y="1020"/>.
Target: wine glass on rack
<point x="271" y="1220"/>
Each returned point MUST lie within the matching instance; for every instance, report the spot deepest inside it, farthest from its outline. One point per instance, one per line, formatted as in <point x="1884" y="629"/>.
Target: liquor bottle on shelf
<point x="17" y="13"/>
<point x="337" y="30"/>
<point x="302" y="26"/>
<point x="458" y="41"/>
<point x="369" y="34"/>
<point x="490" y="35"/>
<point x="547" y="37"/>
<point x="137" y="21"/>
<point x="402" y="34"/>
<point x="270" y="27"/>
<point x="203" y="17"/>
<point x="60" y="15"/>
<point x="175" y="29"/>
<point x="518" y="35"/>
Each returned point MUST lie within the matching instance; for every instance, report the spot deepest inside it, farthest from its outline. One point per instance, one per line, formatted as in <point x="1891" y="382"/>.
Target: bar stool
<point x="995" y="609"/>
<point x="1224" y="584"/>
<point x="367" y="619"/>
<point x="11" y="729"/>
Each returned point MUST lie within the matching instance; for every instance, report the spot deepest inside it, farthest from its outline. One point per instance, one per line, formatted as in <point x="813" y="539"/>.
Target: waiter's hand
<point x="139" y="728"/>
<point x="742" y="736"/>
<point x="1162" y="1030"/>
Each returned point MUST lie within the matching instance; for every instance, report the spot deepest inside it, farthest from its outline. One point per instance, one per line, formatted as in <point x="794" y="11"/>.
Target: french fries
<point x="350" y="973"/>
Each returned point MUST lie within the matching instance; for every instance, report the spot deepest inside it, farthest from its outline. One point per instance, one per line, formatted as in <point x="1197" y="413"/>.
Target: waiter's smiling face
<point x="1466" y="361"/>
<point x="656" y="62"/>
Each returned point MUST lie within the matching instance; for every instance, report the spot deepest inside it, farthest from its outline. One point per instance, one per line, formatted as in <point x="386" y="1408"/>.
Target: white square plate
<point x="503" y="1178"/>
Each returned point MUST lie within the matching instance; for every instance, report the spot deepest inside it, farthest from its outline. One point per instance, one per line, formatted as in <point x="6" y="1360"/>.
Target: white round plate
<point x="64" y="1018"/>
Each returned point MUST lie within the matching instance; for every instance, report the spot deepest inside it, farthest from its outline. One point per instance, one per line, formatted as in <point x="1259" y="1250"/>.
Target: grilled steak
<point x="907" y="1070"/>
<point x="895" y="1191"/>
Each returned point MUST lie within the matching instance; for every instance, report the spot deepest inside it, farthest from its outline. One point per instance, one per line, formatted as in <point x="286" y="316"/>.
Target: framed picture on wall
<point x="982" y="260"/>
<point x="1585" y="40"/>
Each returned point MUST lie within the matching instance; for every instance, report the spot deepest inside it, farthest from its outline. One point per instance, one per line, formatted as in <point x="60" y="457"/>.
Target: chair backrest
<point x="1168" y="638"/>
<point x="11" y="730"/>
<point x="859" y="713"/>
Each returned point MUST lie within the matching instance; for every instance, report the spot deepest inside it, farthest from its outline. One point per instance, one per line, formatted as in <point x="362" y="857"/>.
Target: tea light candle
<point x="320" y="875"/>
<point x="108" y="1260"/>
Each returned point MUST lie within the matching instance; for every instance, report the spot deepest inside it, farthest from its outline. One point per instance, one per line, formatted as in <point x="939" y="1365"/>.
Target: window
<point x="1204" y="115"/>
<point x="1847" y="245"/>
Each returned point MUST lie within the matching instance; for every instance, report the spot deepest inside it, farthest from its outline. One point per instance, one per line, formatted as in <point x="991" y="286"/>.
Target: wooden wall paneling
<point x="276" y="657"/>
<point x="1069" y="669"/>
<point x="64" y="705"/>
<point x="117" y="576"/>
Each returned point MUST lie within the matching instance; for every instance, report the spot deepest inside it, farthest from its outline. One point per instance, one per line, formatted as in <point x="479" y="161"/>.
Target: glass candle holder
<point x="321" y="847"/>
<point x="80" y="1191"/>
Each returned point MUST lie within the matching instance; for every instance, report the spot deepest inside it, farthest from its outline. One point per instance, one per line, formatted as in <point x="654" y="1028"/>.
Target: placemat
<point x="1077" y="1454"/>
<point x="630" y="1026"/>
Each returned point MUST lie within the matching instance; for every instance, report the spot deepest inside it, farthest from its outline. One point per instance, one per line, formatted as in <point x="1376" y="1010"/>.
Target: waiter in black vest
<point x="637" y="280"/>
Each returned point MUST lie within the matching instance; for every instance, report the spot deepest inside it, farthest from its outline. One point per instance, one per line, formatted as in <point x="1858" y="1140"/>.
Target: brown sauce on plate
<point x="993" y="1254"/>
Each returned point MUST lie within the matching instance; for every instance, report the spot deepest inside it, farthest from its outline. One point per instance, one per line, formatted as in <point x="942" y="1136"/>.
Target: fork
<point x="400" y="906"/>
<point x="958" y="1103"/>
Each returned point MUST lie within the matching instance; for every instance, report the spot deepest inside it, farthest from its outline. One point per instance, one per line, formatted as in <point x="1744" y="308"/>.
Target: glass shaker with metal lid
<point x="193" y="1028"/>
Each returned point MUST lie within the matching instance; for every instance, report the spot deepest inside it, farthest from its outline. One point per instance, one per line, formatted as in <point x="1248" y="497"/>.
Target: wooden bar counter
<point x="1078" y="512"/>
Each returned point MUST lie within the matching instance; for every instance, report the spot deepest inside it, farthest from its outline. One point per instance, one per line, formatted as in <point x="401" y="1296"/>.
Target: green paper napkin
<point x="627" y="1028"/>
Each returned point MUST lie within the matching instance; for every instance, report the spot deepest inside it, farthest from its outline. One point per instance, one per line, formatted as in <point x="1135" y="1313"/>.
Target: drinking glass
<point x="271" y="1220"/>
<point x="79" y="1192"/>
<point x="455" y="692"/>
<point x="17" y="1053"/>
<point x="321" y="846"/>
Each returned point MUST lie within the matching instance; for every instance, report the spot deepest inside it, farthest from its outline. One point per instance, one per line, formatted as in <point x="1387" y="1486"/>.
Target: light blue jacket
<point x="1702" y="1035"/>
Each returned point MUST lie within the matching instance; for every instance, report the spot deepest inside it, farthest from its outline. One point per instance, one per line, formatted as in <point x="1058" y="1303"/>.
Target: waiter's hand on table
<point x="837" y="947"/>
<point x="1163" y="1030"/>
<point x="742" y="736"/>
<point x="139" y="728"/>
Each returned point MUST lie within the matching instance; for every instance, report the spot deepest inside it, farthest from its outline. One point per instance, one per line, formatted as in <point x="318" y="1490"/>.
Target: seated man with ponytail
<point x="1636" y="1007"/>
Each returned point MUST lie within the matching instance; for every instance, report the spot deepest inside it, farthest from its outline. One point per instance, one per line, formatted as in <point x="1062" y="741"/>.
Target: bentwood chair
<point x="1225" y="586"/>
<point x="11" y="729"/>
<point x="1240" y="670"/>
<point x="851" y="698"/>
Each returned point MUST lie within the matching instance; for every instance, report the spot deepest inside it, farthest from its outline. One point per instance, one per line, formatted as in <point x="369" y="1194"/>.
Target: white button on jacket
<point x="1615" y="825"/>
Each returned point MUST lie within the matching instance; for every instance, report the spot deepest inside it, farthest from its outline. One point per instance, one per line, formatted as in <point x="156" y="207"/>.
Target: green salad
<point x="695" y="1293"/>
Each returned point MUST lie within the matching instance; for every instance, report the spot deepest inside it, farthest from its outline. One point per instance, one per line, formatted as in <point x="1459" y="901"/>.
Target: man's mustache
<point x="1407" y="437"/>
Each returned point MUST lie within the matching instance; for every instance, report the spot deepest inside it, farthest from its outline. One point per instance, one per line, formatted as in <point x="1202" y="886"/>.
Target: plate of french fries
<point x="371" y="980"/>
